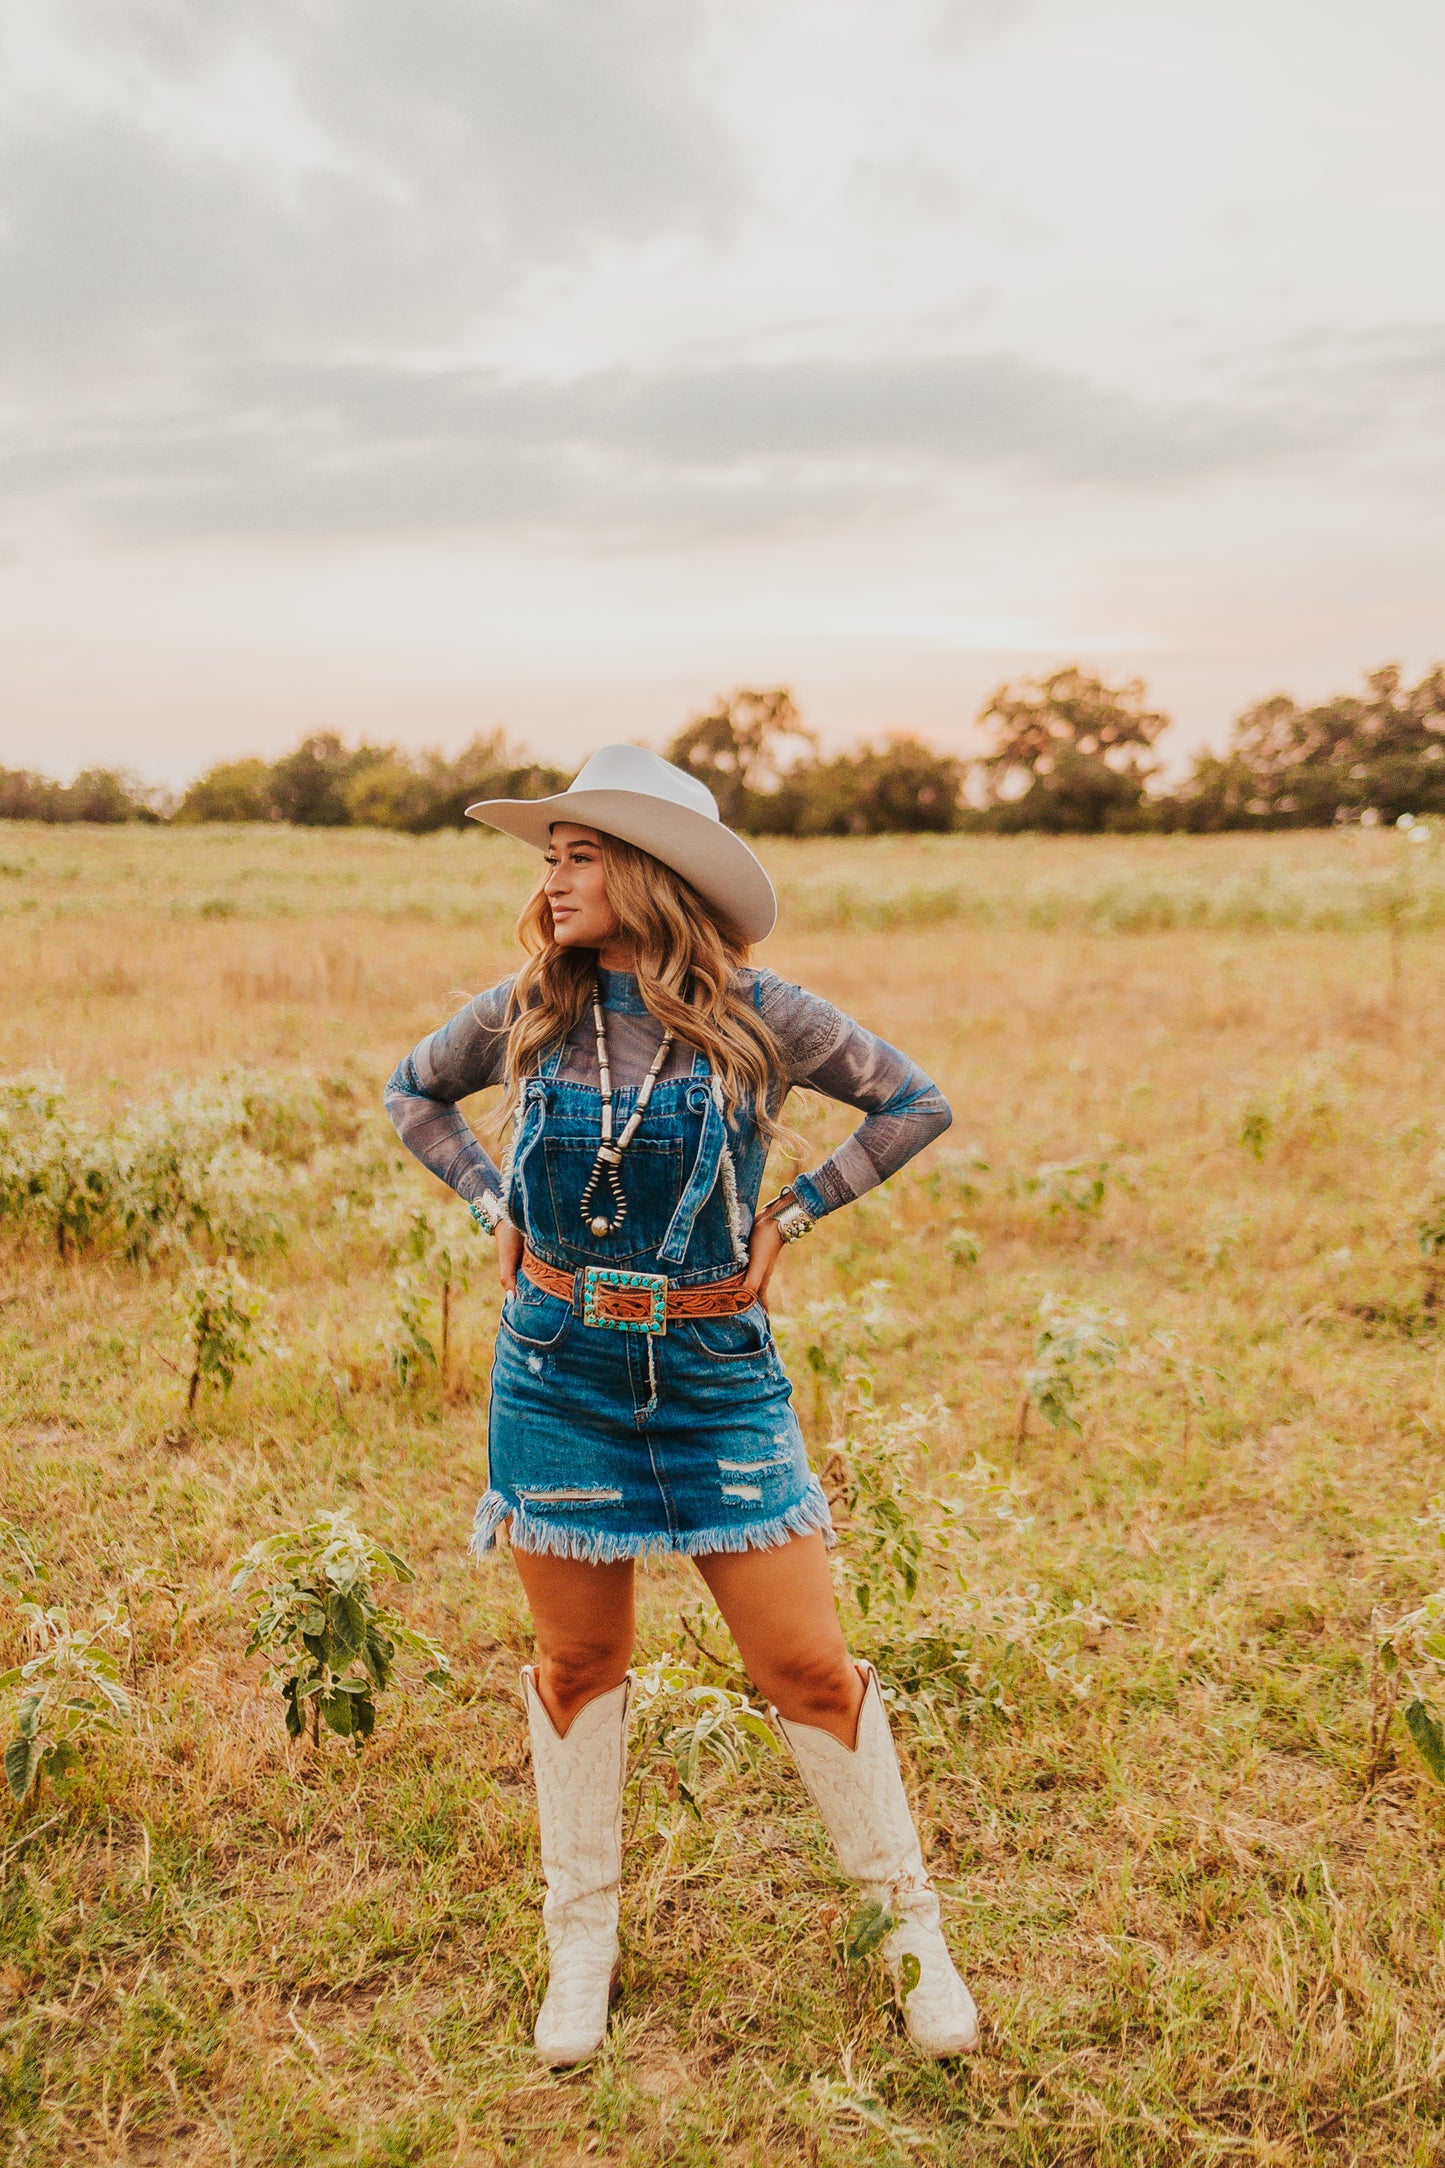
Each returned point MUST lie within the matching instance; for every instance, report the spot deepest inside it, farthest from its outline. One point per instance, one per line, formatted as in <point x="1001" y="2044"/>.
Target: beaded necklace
<point x="609" y="1155"/>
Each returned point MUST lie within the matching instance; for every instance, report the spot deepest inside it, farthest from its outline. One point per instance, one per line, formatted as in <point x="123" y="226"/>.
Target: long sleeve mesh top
<point x="823" y="1049"/>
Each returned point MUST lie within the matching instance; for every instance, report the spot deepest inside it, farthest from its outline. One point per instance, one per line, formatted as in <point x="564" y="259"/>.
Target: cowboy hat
<point x="641" y="798"/>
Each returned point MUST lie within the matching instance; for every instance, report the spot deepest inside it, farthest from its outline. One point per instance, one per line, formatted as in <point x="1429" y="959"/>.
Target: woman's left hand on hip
<point x="764" y="1250"/>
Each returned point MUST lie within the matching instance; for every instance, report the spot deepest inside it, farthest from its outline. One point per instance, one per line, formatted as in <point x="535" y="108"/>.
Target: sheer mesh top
<point x="822" y="1048"/>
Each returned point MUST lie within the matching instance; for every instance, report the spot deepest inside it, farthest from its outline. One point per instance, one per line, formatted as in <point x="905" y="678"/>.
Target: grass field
<point x="1201" y="1904"/>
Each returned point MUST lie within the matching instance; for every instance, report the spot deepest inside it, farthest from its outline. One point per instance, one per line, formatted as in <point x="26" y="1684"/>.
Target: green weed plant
<point x="64" y="1695"/>
<point x="330" y="1646"/>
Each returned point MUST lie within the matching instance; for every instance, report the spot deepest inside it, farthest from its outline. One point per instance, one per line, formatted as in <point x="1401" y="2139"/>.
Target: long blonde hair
<point x="686" y="957"/>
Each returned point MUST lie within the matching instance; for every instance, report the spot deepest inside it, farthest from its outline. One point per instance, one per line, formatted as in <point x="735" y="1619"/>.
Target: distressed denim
<point x="605" y="1444"/>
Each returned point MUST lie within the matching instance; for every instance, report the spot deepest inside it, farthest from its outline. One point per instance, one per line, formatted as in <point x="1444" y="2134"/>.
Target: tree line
<point x="1066" y="754"/>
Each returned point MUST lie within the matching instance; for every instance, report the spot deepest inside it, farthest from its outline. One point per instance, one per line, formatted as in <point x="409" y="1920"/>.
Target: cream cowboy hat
<point x="641" y="798"/>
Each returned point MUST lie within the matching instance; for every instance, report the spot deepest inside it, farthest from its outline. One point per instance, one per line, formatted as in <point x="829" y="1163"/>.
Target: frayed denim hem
<point x="599" y="1547"/>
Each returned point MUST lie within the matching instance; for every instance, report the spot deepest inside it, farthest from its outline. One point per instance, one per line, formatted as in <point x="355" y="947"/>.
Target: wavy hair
<point x="686" y="956"/>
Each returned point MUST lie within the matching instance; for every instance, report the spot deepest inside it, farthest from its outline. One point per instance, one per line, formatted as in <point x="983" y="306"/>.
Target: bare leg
<point x="780" y="1610"/>
<point x="585" y="1622"/>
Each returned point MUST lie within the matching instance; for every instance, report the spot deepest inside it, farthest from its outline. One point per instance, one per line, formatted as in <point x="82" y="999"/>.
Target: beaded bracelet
<point x="490" y="1212"/>
<point x="795" y="1221"/>
<point x="790" y="1216"/>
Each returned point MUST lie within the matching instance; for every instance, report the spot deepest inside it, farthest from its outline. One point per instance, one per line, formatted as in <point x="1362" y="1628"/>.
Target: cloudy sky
<point x="417" y="368"/>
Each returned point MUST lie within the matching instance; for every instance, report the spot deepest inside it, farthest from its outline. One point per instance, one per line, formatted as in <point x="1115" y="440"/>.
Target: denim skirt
<point x="606" y="1445"/>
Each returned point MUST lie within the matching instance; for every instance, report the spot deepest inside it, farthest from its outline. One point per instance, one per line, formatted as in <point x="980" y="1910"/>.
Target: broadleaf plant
<point x="1072" y="1337"/>
<point x="69" y="1690"/>
<point x="686" y="1724"/>
<point x="222" y="1314"/>
<point x="331" y="1647"/>
<point x="56" y="1171"/>
<point x="428" y="1273"/>
<point x="1070" y="1185"/>
<point x="1430" y="1236"/>
<point x="1411" y="1652"/>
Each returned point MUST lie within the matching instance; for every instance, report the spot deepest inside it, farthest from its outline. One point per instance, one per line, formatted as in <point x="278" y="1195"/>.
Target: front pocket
<point x="730" y="1339"/>
<point x="651" y="1183"/>
<point x="536" y="1320"/>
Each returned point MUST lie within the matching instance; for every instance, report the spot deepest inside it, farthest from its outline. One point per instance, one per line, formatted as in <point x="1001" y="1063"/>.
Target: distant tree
<point x="490" y="767"/>
<point x="309" y="786"/>
<point x="1220" y="792"/>
<point x="234" y="790"/>
<point x="905" y="786"/>
<point x="1294" y="767"/>
<point x="105" y="796"/>
<point x="902" y="786"/>
<point x="25" y="796"/>
<point x="740" y="749"/>
<point x="388" y="793"/>
<point x="97" y="794"/>
<point x="1070" y="753"/>
<point x="323" y="783"/>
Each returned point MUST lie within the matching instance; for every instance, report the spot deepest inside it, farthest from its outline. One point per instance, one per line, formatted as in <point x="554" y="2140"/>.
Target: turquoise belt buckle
<point x="597" y="1278"/>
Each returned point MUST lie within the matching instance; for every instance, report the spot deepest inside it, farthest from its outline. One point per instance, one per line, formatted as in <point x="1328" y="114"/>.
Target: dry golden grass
<point x="1202" y="1921"/>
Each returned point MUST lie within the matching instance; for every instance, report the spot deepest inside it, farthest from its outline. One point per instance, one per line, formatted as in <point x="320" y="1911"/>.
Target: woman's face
<point x="576" y="889"/>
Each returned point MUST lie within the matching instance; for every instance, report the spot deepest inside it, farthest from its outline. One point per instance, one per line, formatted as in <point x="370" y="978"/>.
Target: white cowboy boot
<point x="579" y="1782"/>
<point x="859" y="1793"/>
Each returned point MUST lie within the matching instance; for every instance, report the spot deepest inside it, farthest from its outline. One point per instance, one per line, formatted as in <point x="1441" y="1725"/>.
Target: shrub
<point x="1411" y="1654"/>
<point x="213" y="1160"/>
<point x="883" y="1561"/>
<point x="1070" y="1185"/>
<point x="426" y="1272"/>
<point x="221" y="1313"/>
<point x="683" y="1724"/>
<point x="69" y="1690"/>
<point x="837" y="1331"/>
<point x="97" y="794"/>
<point x="1072" y="1336"/>
<point x="1430" y="1239"/>
<point x="331" y="1647"/>
<point x="236" y="790"/>
<point x="181" y="1171"/>
<point x="57" y="1172"/>
<point x="324" y="783"/>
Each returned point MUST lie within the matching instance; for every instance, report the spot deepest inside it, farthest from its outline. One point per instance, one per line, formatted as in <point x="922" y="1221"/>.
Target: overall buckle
<point x="597" y="1279"/>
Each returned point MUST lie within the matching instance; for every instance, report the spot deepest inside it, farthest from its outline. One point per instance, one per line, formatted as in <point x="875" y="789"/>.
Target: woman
<point x="638" y="1401"/>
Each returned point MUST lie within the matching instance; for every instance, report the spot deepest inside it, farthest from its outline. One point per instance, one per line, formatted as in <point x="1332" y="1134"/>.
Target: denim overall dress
<point x="609" y="1442"/>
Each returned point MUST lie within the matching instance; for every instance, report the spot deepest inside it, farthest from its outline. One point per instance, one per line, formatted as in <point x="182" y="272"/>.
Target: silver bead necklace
<point x="609" y="1155"/>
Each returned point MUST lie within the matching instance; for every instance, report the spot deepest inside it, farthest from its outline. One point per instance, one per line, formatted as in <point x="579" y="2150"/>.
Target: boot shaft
<point x="858" y="1791"/>
<point x="579" y="1777"/>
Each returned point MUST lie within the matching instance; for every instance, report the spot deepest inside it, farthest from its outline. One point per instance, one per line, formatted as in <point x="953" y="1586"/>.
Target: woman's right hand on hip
<point x="509" y="1255"/>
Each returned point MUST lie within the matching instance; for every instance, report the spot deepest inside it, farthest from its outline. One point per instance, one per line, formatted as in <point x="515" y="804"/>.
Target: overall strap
<point x="712" y="1144"/>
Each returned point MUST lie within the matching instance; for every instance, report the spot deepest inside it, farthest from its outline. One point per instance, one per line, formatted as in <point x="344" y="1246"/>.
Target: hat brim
<point x="709" y="857"/>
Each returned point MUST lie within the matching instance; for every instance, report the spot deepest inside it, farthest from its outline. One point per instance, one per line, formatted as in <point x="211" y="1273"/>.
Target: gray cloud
<point x="350" y="448"/>
<point x="470" y="142"/>
<point x="178" y="324"/>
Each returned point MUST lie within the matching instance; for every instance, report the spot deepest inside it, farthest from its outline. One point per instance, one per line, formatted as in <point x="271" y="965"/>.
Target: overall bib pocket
<point x="654" y="1180"/>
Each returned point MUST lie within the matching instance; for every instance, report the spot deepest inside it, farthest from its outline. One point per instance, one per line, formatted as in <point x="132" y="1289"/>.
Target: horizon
<point x="556" y="371"/>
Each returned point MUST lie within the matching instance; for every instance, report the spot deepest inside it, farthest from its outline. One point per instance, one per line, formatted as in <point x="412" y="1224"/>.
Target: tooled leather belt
<point x="636" y="1301"/>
